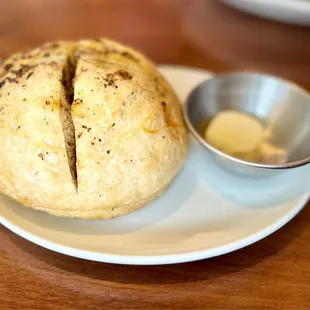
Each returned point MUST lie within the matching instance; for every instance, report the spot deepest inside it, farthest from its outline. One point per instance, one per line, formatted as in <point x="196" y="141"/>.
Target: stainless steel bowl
<point x="283" y="107"/>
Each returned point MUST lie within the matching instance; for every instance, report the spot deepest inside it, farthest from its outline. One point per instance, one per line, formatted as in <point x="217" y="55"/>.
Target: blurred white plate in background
<point x="287" y="11"/>
<point x="189" y="222"/>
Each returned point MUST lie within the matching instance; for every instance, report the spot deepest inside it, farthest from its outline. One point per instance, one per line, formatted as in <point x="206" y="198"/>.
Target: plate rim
<point x="164" y="259"/>
<point x="292" y="8"/>
<point x="296" y="5"/>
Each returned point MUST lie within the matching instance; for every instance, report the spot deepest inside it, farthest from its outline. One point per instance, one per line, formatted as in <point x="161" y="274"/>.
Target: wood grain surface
<point x="271" y="274"/>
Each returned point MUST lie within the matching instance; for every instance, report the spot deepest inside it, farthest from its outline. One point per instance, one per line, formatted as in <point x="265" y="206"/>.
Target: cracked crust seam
<point x="68" y="75"/>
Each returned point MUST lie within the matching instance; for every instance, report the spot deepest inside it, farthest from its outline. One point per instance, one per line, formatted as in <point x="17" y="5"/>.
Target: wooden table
<point x="272" y="274"/>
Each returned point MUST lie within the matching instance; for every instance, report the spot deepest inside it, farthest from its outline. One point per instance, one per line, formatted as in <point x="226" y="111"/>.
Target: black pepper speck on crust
<point x="77" y="101"/>
<point x="124" y="74"/>
<point x="23" y="70"/>
<point x="129" y="56"/>
<point x="50" y="45"/>
<point x="7" y="67"/>
<point x="16" y="74"/>
<point x="55" y="45"/>
<point x="29" y="75"/>
<point x="12" y="80"/>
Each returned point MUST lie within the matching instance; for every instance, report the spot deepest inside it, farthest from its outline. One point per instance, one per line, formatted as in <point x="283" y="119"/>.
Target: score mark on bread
<point x="68" y="75"/>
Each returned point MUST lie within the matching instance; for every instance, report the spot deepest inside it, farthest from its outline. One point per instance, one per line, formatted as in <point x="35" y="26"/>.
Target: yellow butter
<point x="235" y="134"/>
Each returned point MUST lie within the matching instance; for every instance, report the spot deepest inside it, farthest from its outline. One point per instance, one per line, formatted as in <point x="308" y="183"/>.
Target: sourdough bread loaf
<point x="88" y="129"/>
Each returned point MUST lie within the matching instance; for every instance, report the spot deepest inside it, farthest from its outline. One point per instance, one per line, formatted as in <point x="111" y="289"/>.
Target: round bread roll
<point x="88" y="129"/>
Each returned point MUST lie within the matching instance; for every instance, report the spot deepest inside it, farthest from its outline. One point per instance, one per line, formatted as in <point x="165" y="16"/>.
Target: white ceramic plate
<point x="190" y="222"/>
<point x="288" y="11"/>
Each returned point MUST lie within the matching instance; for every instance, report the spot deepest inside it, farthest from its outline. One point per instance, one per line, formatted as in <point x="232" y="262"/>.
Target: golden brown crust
<point x="129" y="132"/>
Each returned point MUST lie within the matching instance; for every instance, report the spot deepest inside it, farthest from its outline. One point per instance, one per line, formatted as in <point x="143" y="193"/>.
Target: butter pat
<point x="235" y="134"/>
